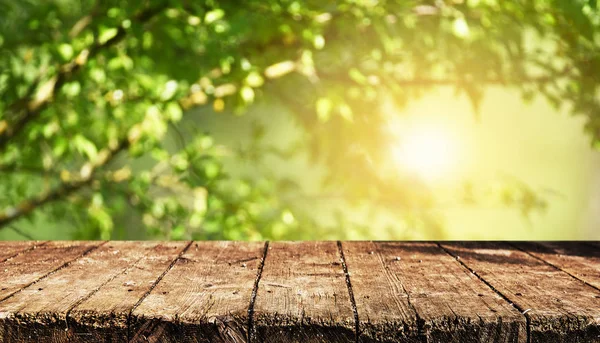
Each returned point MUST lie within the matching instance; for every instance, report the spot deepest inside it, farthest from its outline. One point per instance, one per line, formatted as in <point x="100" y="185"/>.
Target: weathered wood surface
<point x="299" y="292"/>
<point x="106" y="313"/>
<point x="203" y="298"/>
<point x="302" y="295"/>
<point x="448" y="303"/>
<point x="12" y="249"/>
<point x="25" y="269"/>
<point x="582" y="261"/>
<point x="558" y="307"/>
<point x="386" y="312"/>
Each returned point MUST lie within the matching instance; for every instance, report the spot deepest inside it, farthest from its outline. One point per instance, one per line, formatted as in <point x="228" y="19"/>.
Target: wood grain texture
<point x="203" y="298"/>
<point x="302" y="295"/>
<point x="104" y="316"/>
<point x="299" y="292"/>
<point x="24" y="269"/>
<point x="452" y="304"/>
<point x="40" y="312"/>
<point x="12" y="249"/>
<point x="384" y="308"/>
<point x="559" y="307"/>
<point x="580" y="260"/>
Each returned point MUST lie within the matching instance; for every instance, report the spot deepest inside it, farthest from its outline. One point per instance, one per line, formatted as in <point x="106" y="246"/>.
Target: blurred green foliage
<point x="91" y="91"/>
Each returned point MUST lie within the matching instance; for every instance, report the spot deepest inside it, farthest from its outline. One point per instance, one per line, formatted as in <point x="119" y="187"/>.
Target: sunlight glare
<point x="426" y="151"/>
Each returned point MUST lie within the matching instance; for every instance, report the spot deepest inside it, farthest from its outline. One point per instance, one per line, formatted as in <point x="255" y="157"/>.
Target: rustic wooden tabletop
<point x="299" y="292"/>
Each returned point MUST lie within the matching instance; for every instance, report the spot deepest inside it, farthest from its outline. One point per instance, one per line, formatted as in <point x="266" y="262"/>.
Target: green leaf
<point x="460" y="27"/>
<point x="60" y="146"/>
<point x="254" y="79"/>
<point x="72" y="89"/>
<point x="211" y="169"/>
<point x="213" y="15"/>
<point x="357" y="76"/>
<point x="324" y="107"/>
<point x="319" y="42"/>
<point x="86" y="147"/>
<point x="66" y="51"/>
<point x="346" y="112"/>
<point x="247" y="94"/>
<point x="173" y="112"/>
<point x="169" y="90"/>
<point x="106" y="34"/>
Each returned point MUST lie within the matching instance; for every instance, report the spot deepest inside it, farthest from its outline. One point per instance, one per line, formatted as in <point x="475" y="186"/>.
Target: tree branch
<point x="85" y="21"/>
<point x="435" y="82"/>
<point x="30" y="106"/>
<point x="24" y="208"/>
<point x="24" y="169"/>
<point x="21" y="232"/>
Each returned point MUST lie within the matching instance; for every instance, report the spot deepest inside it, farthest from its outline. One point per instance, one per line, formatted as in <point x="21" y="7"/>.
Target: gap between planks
<point x="94" y="291"/>
<point x="350" y="292"/>
<point x="523" y="312"/>
<point x="251" y="329"/>
<point x="156" y="282"/>
<point x="160" y="277"/>
<point x="23" y="251"/>
<point x="348" y="281"/>
<point x="256" y="285"/>
<point x="553" y="265"/>
<point x="64" y="265"/>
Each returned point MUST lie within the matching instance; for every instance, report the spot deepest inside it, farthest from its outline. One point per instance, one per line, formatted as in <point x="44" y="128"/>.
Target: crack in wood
<point x="350" y="291"/>
<point x="133" y="265"/>
<point x="64" y="265"/>
<point x="494" y="264"/>
<point x="552" y="265"/>
<point x="154" y="284"/>
<point x="21" y="252"/>
<point x="523" y="312"/>
<point x="251" y="329"/>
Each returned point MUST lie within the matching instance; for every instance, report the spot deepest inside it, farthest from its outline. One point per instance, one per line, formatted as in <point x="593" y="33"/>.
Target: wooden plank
<point x="104" y="316"/>
<point x="203" y="298"/>
<point x="452" y="304"/>
<point x="302" y="295"/>
<point x="42" y="309"/>
<point x="25" y="269"/>
<point x="384" y="308"/>
<point x="559" y="308"/>
<point x="10" y="249"/>
<point x="578" y="259"/>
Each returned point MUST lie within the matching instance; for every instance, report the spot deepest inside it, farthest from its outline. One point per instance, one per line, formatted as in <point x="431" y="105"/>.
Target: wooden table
<point x="299" y="292"/>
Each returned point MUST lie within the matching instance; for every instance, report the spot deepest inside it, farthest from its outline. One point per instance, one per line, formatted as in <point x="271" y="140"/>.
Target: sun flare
<point x="428" y="152"/>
